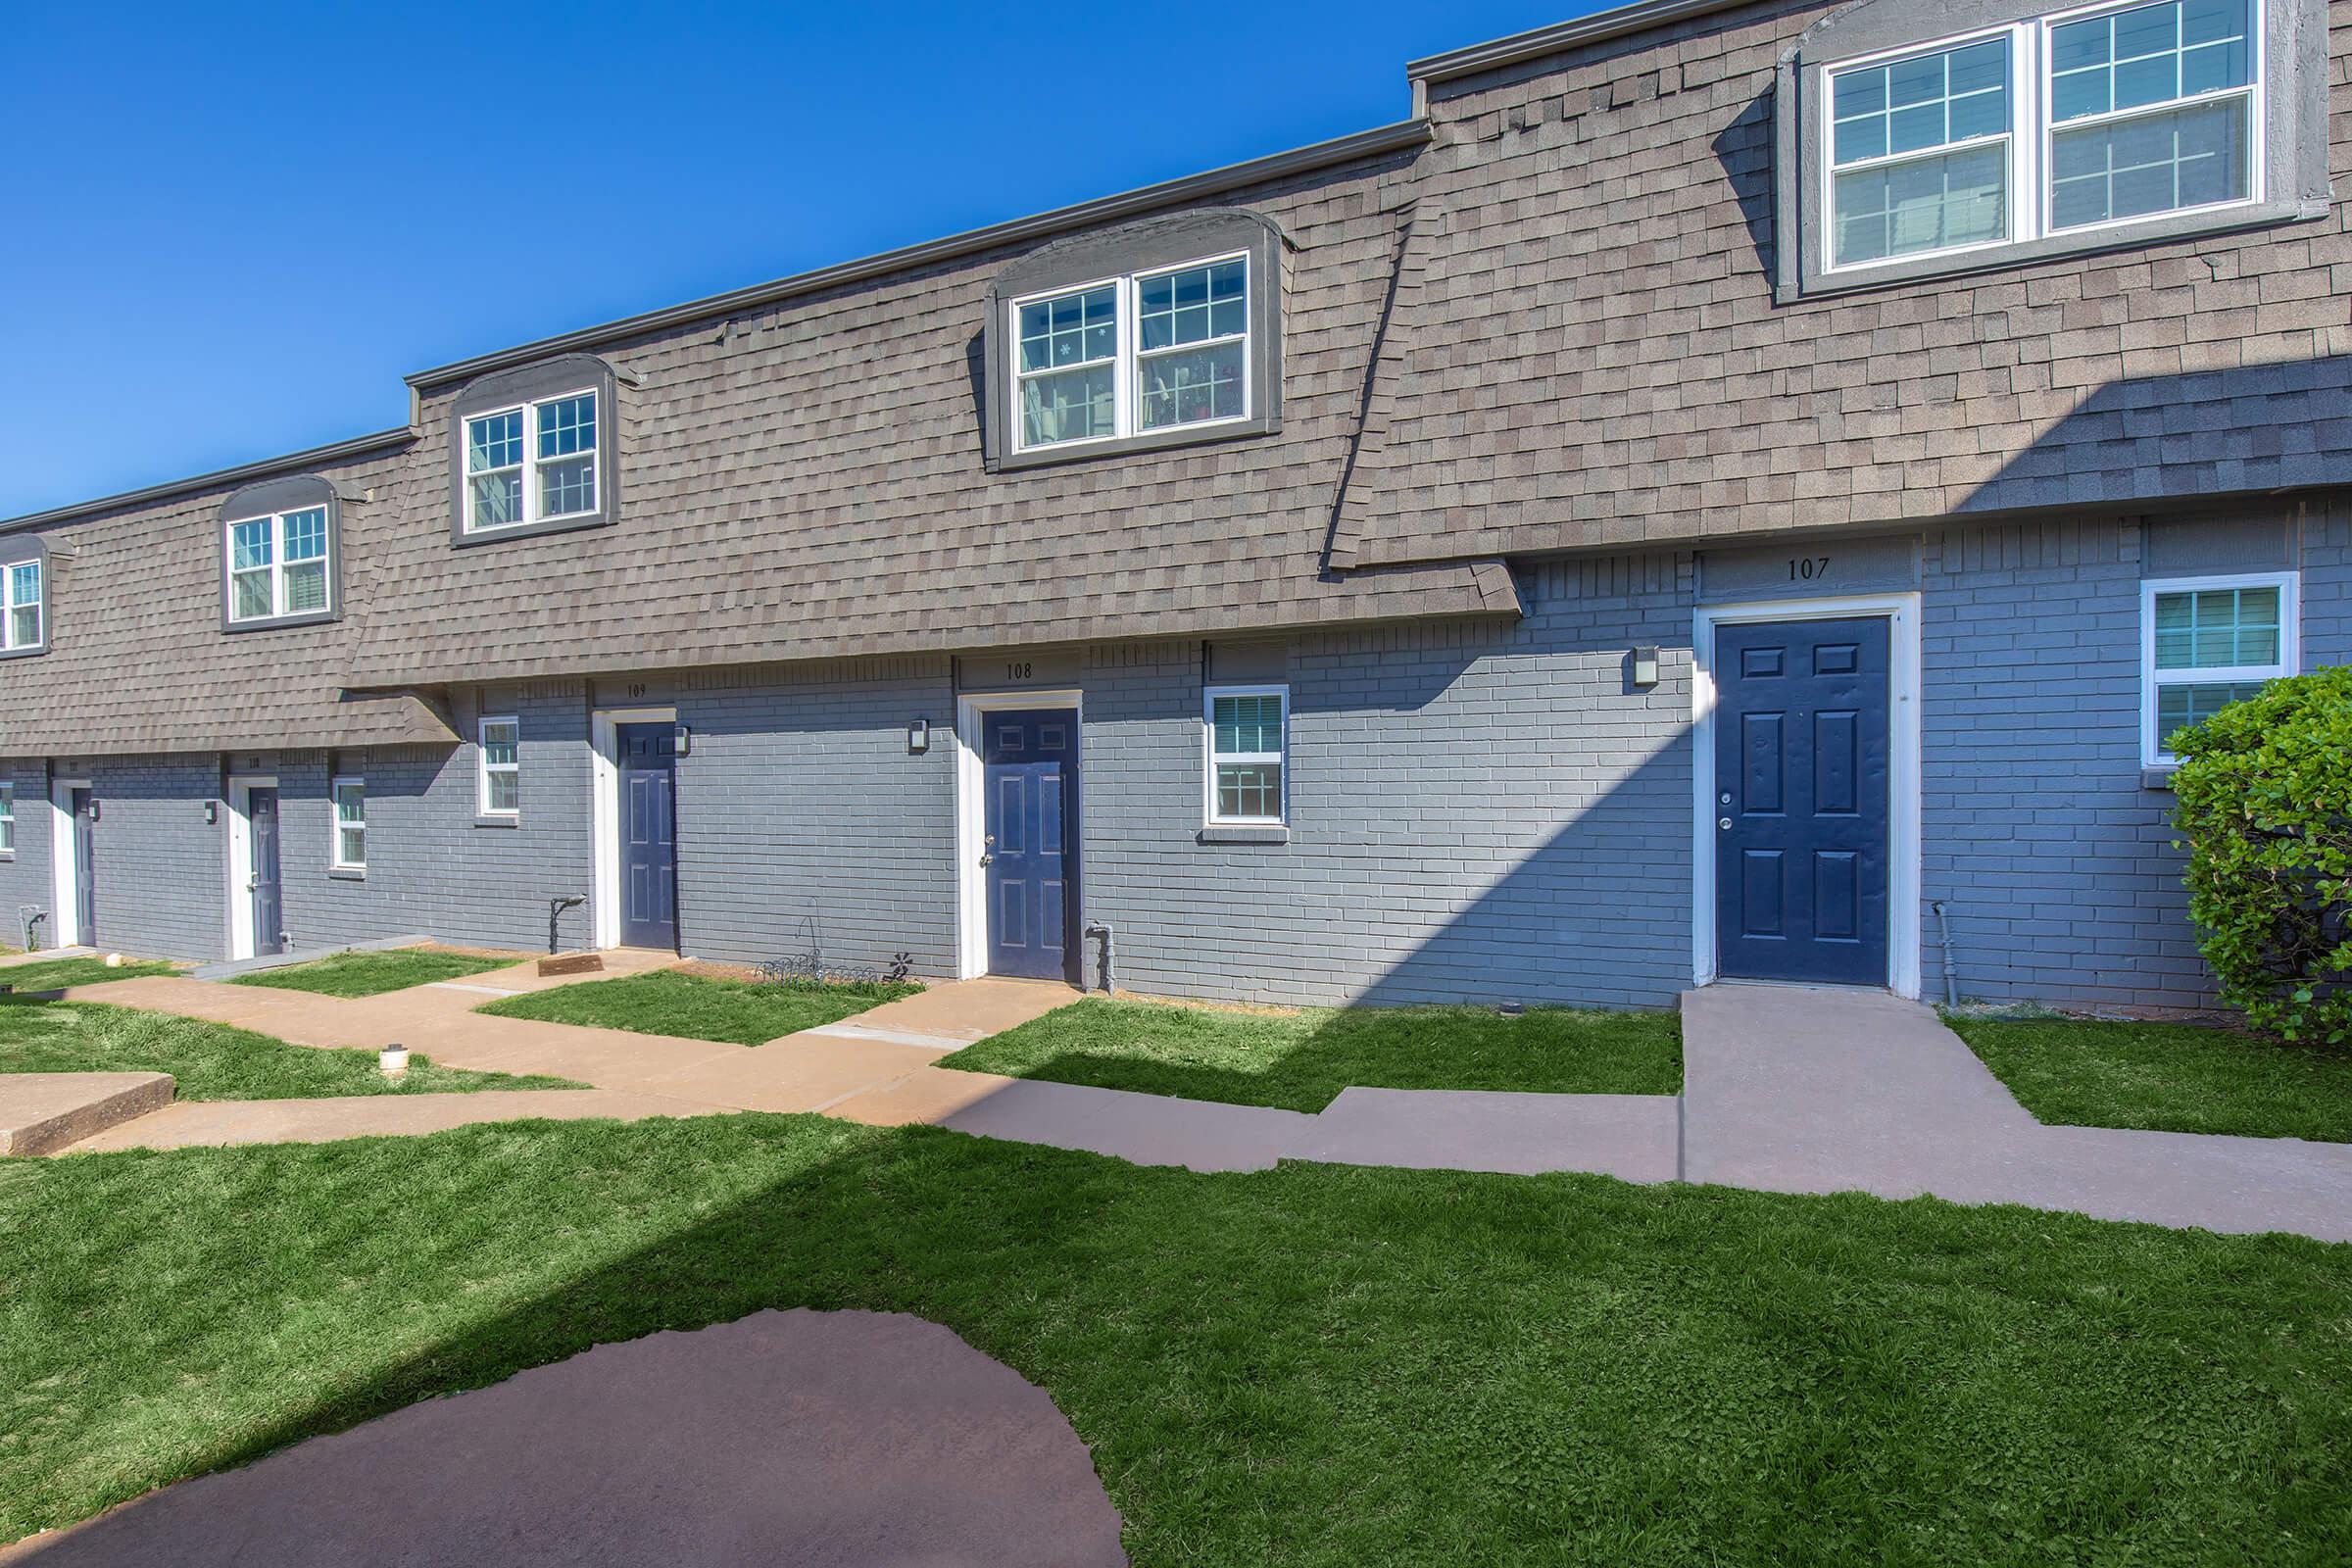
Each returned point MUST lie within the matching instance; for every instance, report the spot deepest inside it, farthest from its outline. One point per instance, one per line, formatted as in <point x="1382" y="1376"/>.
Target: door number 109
<point x="1804" y="568"/>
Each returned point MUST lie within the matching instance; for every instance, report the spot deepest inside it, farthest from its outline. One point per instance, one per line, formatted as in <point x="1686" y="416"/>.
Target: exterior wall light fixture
<point x="918" y="736"/>
<point x="1645" y="666"/>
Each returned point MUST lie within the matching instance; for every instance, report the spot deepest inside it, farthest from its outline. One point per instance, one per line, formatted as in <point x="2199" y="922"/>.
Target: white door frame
<point x="604" y="787"/>
<point x="242" y="938"/>
<point x="1902" y="613"/>
<point x="63" y="868"/>
<point x="972" y="813"/>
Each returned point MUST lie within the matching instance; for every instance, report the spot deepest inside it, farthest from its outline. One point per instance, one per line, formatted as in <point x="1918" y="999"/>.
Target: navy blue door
<point x="1800" y="801"/>
<point x="648" y="836"/>
<point x="84" y="807"/>
<point x="268" y="898"/>
<point x="1029" y="766"/>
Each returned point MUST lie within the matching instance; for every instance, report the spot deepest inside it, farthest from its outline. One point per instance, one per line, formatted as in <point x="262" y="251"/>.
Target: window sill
<point x="1245" y="833"/>
<point x="33" y="651"/>
<point x="2140" y="235"/>
<point x="347" y="873"/>
<point x="466" y="538"/>
<point x="2159" y="777"/>
<point x="484" y="820"/>
<point x="312" y="617"/>
<point x="1129" y="445"/>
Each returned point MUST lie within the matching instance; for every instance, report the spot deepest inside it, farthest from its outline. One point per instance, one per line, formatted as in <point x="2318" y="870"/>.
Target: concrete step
<point x="41" y="1112"/>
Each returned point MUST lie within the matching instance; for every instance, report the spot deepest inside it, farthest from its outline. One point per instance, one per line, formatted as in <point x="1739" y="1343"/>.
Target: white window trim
<point x="335" y="823"/>
<point x="531" y="516"/>
<point x="8" y="816"/>
<point x="1128" y="355"/>
<point x="1213" y="756"/>
<point x="2291" y="648"/>
<point x="10" y="603"/>
<point x="2033" y="135"/>
<point x="483" y="768"/>
<point x="277" y="609"/>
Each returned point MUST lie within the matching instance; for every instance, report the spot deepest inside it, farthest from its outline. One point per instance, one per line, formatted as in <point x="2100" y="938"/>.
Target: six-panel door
<point x="84" y="807"/>
<point x="1029" y="769"/>
<point x="649" y="835"/>
<point x="268" y="893"/>
<point x="1801" y="752"/>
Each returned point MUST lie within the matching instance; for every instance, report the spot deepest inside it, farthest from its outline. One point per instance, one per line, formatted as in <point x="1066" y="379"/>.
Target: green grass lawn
<point x="1310" y="1365"/>
<point x="2167" y="1077"/>
<point x="1300" y="1060"/>
<point x="56" y="974"/>
<point x="696" y="1007"/>
<point x="371" y="974"/>
<point x="211" y="1061"/>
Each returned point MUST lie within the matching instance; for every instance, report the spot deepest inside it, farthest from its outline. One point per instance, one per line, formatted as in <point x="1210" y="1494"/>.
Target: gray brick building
<point x="1717" y="490"/>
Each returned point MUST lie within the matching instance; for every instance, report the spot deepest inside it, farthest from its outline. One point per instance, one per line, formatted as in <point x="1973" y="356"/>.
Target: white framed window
<point x="8" y="819"/>
<point x="530" y="463"/>
<point x="279" y="566"/>
<point x="1161" y="350"/>
<point x="349" y="852"/>
<point x="20" y="627"/>
<point x="2207" y="642"/>
<point x="2062" y="123"/>
<point x="1248" y="739"/>
<point x="501" y="766"/>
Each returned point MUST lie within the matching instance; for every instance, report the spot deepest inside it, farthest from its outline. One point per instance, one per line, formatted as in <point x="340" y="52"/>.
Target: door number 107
<point x="1804" y="568"/>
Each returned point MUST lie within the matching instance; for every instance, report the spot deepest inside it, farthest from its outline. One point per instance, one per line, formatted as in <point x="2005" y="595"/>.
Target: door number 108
<point x="1807" y="568"/>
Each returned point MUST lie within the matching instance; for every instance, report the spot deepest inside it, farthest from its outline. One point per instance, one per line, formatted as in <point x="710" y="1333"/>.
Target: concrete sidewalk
<point x="1824" y="1089"/>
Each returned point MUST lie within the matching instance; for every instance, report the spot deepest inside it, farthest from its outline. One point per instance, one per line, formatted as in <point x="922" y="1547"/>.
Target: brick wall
<point x="25" y="879"/>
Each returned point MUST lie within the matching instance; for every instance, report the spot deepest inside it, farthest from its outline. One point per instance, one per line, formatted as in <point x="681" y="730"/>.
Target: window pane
<point x="1247" y="724"/>
<point x="494" y="441"/>
<point x="498" y="745"/>
<point x="1191" y="306"/>
<point x="306" y="534"/>
<point x="306" y="587"/>
<point x="1253" y="789"/>
<point x="1193" y="385"/>
<point x="1067" y="406"/>
<point x="1919" y="103"/>
<point x="2155" y="163"/>
<point x="351" y="844"/>
<point x="2148" y="55"/>
<point x="351" y="803"/>
<point x="249" y="545"/>
<point x="1928" y="204"/>
<point x="503" y="792"/>
<point x="566" y="487"/>
<point x="1073" y="329"/>
<point x="567" y="425"/>
<point x="497" y="499"/>
<point x="2180" y="707"/>
<point x="2217" y="627"/>
<point x="250" y="595"/>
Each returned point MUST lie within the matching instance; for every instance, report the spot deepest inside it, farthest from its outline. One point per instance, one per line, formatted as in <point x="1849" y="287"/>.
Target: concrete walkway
<point x="827" y="1440"/>
<point x="1817" y="1090"/>
<point x="1785" y="1089"/>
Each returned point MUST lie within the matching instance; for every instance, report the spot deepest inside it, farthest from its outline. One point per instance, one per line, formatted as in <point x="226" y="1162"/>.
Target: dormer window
<point x="281" y="554"/>
<point x="1151" y="352"/>
<point x="1152" y="335"/>
<point x="23" y="628"/>
<point x="2044" y="131"/>
<point x="532" y="463"/>
<point x="534" y="451"/>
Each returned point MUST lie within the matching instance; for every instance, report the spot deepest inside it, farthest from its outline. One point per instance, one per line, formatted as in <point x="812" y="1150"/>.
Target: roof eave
<point x="1538" y="42"/>
<point x="358" y="446"/>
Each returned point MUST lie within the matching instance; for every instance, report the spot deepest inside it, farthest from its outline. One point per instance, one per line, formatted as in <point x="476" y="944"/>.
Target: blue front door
<point x="268" y="896"/>
<point x="1800" y="801"/>
<point x="649" y="835"/>
<point x="1029" y="764"/>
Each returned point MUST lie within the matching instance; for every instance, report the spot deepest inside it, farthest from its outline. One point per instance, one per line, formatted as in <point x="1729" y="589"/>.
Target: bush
<point x="2265" y="802"/>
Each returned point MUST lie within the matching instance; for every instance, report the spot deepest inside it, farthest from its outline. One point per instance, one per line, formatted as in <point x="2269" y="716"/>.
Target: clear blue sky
<point x="230" y="229"/>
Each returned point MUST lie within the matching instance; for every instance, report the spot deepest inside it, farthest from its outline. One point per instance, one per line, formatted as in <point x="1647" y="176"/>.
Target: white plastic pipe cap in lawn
<point x="394" y="1060"/>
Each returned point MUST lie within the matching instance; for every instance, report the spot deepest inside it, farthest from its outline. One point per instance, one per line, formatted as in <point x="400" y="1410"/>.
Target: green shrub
<point x="2265" y="802"/>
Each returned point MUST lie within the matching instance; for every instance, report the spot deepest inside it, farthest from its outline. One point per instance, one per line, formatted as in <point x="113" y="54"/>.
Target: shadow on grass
<point x="1310" y="1364"/>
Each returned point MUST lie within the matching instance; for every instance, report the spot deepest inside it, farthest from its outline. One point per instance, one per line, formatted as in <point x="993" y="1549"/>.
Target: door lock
<point x="1725" y="824"/>
<point x="988" y="860"/>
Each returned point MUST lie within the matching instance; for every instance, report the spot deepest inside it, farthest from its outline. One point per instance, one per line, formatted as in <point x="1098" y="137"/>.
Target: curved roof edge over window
<point x="260" y="502"/>
<point x="1120" y="252"/>
<point x="20" y="549"/>
<point x="556" y="450"/>
<point x="2285" y="154"/>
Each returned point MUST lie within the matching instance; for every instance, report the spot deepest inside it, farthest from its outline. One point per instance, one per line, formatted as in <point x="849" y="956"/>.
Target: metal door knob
<point x="988" y="860"/>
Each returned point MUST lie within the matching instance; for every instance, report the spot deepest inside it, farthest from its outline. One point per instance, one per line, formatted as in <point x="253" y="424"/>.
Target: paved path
<point x="1787" y="1088"/>
<point x="1817" y="1090"/>
<point x="824" y="1440"/>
